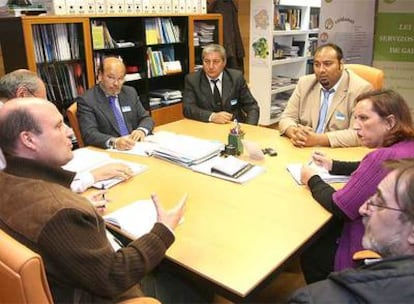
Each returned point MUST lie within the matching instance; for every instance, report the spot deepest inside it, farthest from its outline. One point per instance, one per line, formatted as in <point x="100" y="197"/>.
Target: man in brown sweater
<point x="63" y="227"/>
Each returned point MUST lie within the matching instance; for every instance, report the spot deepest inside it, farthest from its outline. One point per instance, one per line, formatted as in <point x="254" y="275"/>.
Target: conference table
<point x="234" y="236"/>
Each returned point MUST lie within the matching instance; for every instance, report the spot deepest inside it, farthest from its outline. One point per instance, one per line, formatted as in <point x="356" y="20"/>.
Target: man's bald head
<point x="33" y="128"/>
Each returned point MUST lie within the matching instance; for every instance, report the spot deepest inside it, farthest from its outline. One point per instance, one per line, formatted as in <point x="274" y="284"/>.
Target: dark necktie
<point x="216" y="93"/>
<point x="324" y="110"/>
<point x="123" y="129"/>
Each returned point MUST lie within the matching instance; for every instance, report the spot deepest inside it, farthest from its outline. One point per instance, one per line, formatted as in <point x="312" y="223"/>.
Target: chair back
<point x="372" y="75"/>
<point x="22" y="274"/>
<point x="74" y="124"/>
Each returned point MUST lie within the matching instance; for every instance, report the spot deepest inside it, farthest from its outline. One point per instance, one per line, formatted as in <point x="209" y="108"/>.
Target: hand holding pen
<point x="98" y="200"/>
<point x="320" y="159"/>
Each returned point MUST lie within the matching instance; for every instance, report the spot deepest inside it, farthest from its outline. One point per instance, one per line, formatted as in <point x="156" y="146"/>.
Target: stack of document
<point x="85" y="159"/>
<point x="295" y="170"/>
<point x="183" y="149"/>
<point x="229" y="168"/>
<point x="167" y="96"/>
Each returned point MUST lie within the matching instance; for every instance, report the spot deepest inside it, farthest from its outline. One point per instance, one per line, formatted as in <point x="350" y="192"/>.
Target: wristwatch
<point x="112" y="143"/>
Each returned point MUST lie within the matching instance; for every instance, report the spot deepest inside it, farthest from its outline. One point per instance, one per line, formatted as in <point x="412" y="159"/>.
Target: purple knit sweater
<point x="363" y="184"/>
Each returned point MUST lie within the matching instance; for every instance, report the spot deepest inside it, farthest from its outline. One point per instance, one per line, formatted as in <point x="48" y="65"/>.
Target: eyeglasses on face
<point x="378" y="204"/>
<point x="114" y="79"/>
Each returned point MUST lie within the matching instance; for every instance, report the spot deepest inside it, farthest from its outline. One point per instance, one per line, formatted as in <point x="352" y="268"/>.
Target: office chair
<point x="23" y="277"/>
<point x="73" y="121"/>
<point x="22" y="274"/>
<point x="372" y="75"/>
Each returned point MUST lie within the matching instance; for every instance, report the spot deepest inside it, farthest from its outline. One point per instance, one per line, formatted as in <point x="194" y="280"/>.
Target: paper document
<point x="85" y="159"/>
<point x="217" y="161"/>
<point x="141" y="148"/>
<point x="183" y="149"/>
<point x="230" y="166"/>
<point x="136" y="218"/>
<point x="295" y="170"/>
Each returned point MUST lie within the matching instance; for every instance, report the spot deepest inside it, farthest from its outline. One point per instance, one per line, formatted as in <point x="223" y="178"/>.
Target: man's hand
<point x="113" y="170"/>
<point x="98" y="200"/>
<point x="124" y="143"/>
<point x="137" y="135"/>
<point x="172" y="217"/>
<point x="221" y="117"/>
<point x="305" y="137"/>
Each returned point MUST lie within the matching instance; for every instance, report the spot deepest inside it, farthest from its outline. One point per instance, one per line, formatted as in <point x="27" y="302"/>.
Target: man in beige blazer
<point x="302" y="120"/>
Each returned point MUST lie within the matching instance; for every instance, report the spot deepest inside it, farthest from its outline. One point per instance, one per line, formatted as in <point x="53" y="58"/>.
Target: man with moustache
<point x="389" y="231"/>
<point x="319" y="112"/>
<point x="217" y="94"/>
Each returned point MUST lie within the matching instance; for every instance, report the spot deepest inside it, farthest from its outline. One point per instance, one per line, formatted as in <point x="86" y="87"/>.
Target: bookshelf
<point x="158" y="51"/>
<point x="283" y="37"/>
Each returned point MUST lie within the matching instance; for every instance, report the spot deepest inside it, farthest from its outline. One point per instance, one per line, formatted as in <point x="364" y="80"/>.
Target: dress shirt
<point x="2" y="161"/>
<point x="219" y="84"/>
<point x="82" y="181"/>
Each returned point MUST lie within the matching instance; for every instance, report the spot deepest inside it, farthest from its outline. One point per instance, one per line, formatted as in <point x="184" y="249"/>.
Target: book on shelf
<point x="166" y="94"/>
<point x="85" y="159"/>
<point x="295" y="169"/>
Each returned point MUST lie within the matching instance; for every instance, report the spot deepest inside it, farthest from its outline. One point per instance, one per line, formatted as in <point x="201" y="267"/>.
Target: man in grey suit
<point x="218" y="94"/>
<point x="319" y="112"/>
<point x="110" y="114"/>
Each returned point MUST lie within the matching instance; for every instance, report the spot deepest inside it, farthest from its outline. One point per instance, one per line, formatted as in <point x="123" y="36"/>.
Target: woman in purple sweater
<point x="382" y="121"/>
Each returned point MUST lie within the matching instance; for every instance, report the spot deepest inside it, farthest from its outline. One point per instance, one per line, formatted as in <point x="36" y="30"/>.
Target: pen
<point x="103" y="194"/>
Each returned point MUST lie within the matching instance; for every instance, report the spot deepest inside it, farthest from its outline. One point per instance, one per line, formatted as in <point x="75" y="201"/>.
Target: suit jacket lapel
<point x="226" y="88"/>
<point x="339" y="96"/>
<point x="315" y="97"/>
<point x="205" y="89"/>
<point x="105" y="107"/>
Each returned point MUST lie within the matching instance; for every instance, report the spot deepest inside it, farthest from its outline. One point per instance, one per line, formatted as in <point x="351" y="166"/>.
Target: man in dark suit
<point x="218" y="94"/>
<point x="110" y="114"/>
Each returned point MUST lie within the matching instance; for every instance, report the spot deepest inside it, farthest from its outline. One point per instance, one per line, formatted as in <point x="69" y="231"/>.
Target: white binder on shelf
<point x="120" y="6"/>
<point x="129" y="7"/>
<point x="182" y="6"/>
<point x="203" y="6"/>
<point x="71" y="7"/>
<point x="168" y="6"/>
<point x="138" y="6"/>
<point x="175" y="6"/>
<point x="146" y="6"/>
<point x="90" y="7"/>
<point x="100" y="6"/>
<point x="81" y="7"/>
<point x="111" y="6"/>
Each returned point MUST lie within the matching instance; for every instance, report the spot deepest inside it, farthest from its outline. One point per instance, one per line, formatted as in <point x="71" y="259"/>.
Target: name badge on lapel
<point x="233" y="102"/>
<point x="339" y="115"/>
<point x="126" y="109"/>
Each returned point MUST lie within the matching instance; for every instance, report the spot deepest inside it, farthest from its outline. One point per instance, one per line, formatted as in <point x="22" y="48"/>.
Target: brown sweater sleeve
<point x="77" y="252"/>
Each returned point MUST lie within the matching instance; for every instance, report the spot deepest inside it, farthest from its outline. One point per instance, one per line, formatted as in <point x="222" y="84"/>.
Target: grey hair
<point x="11" y="82"/>
<point x="214" y="48"/>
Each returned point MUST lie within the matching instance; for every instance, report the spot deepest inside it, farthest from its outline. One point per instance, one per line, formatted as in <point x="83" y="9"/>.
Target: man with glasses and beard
<point x="388" y="218"/>
<point x="111" y="114"/>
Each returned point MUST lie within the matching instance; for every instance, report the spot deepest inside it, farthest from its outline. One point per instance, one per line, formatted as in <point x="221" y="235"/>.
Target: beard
<point x="385" y="249"/>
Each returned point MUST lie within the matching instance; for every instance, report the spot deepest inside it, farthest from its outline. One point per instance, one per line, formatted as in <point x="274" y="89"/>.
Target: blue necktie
<point x="324" y="110"/>
<point x="123" y="129"/>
